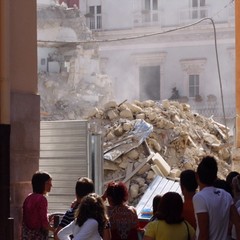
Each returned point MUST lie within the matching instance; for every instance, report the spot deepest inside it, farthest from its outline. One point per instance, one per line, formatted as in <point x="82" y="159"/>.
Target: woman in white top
<point x="91" y="219"/>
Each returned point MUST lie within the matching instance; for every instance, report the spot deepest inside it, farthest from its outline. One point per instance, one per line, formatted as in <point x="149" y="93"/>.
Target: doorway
<point x="149" y="83"/>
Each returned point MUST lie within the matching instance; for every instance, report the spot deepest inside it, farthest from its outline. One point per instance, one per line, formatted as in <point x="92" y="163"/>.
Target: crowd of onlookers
<point x="209" y="209"/>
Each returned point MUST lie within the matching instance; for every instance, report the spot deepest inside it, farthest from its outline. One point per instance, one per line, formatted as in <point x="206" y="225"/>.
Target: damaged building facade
<point x="149" y="57"/>
<point x="163" y="63"/>
<point x="70" y="75"/>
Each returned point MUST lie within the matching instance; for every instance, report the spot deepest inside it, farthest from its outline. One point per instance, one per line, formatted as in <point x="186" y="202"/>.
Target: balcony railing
<point x="190" y="14"/>
<point x="216" y="113"/>
<point x="146" y="18"/>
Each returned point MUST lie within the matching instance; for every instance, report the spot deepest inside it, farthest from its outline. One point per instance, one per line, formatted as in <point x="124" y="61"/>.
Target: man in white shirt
<point x="213" y="207"/>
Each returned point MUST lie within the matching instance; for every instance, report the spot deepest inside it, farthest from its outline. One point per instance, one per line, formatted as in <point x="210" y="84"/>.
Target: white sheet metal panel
<point x="64" y="154"/>
<point x="159" y="185"/>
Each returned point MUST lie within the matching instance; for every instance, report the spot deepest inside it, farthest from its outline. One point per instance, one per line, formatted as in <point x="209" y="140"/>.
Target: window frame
<point x="151" y="12"/>
<point x="198" y="9"/>
<point x="193" y="67"/>
<point x="95" y="19"/>
<point x="194" y="85"/>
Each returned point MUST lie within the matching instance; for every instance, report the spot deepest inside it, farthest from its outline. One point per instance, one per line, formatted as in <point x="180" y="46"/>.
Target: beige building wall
<point x="23" y="46"/>
<point x="19" y="102"/>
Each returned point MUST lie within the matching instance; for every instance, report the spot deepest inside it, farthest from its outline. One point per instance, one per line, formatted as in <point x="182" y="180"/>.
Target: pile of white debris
<point x="145" y="139"/>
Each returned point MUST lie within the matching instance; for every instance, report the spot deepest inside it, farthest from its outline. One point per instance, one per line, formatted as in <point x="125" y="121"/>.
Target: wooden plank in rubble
<point x="138" y="168"/>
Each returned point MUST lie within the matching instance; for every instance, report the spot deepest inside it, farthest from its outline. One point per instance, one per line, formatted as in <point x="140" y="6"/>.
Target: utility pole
<point x="237" y="54"/>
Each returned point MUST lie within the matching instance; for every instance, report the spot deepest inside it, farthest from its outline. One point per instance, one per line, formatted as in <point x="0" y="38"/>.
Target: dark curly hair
<point x="170" y="208"/>
<point x="118" y="192"/>
<point x="92" y="206"/>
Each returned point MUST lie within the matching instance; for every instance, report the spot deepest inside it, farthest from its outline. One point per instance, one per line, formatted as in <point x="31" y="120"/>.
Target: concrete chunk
<point x="162" y="164"/>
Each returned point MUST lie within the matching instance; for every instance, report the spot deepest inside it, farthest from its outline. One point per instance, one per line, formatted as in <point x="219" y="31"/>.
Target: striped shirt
<point x="68" y="217"/>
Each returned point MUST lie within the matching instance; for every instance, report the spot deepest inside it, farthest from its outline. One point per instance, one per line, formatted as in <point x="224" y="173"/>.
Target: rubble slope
<point x="173" y="138"/>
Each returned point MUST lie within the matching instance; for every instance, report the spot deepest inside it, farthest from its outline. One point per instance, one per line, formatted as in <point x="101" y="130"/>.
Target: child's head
<point x="155" y="203"/>
<point x="170" y="208"/>
<point x="92" y="206"/>
<point x="84" y="186"/>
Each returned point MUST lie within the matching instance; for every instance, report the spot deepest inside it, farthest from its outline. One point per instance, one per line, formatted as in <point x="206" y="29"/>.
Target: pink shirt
<point x="35" y="211"/>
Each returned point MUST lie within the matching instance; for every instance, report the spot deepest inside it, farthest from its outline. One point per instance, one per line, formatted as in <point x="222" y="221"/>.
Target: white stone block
<point x="162" y="164"/>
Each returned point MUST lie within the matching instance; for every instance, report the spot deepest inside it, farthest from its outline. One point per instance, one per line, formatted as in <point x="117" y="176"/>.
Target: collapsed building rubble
<point x="145" y="139"/>
<point x="71" y="76"/>
<point x="63" y="100"/>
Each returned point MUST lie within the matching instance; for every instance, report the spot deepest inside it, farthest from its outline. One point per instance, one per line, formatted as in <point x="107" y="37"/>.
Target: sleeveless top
<point x="124" y="222"/>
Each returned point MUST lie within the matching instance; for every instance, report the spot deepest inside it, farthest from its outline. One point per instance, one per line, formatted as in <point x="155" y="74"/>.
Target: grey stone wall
<point x="24" y="151"/>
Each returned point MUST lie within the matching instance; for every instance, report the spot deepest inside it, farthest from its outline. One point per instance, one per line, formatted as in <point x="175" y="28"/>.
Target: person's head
<point x="41" y="182"/>
<point x="207" y="170"/>
<point x="230" y="176"/>
<point x="83" y="187"/>
<point x="92" y="206"/>
<point x="170" y="208"/>
<point x="236" y="187"/>
<point x="155" y="203"/>
<point x="116" y="193"/>
<point x="223" y="184"/>
<point x="229" y="179"/>
<point x="188" y="181"/>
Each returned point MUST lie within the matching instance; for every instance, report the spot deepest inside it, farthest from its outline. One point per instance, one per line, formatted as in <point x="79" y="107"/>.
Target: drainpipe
<point x="237" y="54"/>
<point x="4" y="119"/>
